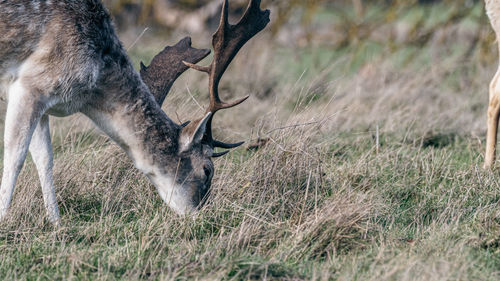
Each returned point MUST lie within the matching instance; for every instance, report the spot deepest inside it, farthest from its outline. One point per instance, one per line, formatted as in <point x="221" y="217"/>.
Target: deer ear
<point x="193" y="133"/>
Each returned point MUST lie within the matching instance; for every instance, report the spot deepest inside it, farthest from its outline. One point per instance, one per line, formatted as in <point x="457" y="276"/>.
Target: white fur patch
<point x="173" y="194"/>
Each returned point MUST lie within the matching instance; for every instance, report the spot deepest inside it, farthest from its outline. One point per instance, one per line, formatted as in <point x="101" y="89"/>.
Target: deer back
<point x="65" y="48"/>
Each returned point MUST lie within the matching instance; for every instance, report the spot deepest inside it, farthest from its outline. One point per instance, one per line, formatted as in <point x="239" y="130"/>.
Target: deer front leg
<point x="493" y="115"/>
<point x="24" y="110"/>
<point x="41" y="152"/>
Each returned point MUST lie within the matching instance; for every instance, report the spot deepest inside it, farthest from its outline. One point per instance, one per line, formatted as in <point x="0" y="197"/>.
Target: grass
<point x="323" y="200"/>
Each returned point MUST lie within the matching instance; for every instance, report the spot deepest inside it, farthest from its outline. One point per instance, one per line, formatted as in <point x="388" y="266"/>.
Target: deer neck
<point x="138" y="125"/>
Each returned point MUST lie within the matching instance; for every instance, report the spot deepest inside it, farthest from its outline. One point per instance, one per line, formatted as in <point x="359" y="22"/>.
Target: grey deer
<point x="63" y="57"/>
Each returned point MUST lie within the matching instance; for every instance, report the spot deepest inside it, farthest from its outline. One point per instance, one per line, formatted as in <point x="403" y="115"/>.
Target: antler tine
<point x="226" y="145"/>
<point x="197" y="67"/>
<point x="220" y="154"/>
<point x="227" y="41"/>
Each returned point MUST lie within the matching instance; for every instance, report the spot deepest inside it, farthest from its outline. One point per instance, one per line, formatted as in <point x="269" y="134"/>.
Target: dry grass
<point x="322" y="200"/>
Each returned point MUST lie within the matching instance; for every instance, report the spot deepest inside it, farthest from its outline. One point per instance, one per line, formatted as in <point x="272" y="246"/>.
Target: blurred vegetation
<point x="363" y="32"/>
<point x="373" y="114"/>
<point x="284" y="9"/>
<point x="336" y="23"/>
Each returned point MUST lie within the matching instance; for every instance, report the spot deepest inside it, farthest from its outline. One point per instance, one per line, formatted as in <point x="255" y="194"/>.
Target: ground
<point x="371" y="171"/>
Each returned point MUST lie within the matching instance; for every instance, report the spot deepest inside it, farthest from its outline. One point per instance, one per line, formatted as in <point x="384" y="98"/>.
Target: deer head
<point x="194" y="169"/>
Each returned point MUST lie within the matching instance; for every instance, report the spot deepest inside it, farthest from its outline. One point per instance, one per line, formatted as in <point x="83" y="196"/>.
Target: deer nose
<point x="208" y="175"/>
<point x="203" y="196"/>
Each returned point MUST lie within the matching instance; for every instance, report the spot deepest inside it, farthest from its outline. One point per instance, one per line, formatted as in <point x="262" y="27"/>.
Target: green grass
<point x="405" y="210"/>
<point x="321" y="201"/>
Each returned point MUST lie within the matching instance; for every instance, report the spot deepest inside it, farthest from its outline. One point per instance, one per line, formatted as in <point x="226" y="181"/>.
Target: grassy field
<point x="372" y="171"/>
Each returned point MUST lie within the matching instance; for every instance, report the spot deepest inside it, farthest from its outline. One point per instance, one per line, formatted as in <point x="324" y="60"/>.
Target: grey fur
<point x="79" y="65"/>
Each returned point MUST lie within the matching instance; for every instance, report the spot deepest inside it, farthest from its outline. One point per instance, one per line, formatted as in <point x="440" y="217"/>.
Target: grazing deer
<point x="63" y="57"/>
<point x="493" y="11"/>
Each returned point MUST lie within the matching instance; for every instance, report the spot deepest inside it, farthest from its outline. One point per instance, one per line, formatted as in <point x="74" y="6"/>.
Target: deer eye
<point x="207" y="171"/>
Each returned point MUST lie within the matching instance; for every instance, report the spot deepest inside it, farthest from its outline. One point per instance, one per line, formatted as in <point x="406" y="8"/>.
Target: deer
<point x="493" y="11"/>
<point x="58" y="58"/>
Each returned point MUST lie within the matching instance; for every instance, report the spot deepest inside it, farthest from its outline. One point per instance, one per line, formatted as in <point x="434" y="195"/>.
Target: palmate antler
<point x="168" y="65"/>
<point x="227" y="41"/>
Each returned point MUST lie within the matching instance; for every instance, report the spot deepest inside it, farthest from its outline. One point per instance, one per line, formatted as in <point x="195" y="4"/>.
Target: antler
<point x="227" y="41"/>
<point x="168" y="65"/>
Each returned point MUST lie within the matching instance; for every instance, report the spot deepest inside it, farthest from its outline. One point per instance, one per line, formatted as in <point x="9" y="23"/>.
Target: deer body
<point x="63" y="57"/>
<point x="493" y="11"/>
<point x="67" y="59"/>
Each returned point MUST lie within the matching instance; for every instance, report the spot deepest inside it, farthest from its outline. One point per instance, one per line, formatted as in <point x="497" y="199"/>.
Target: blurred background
<point x="390" y="63"/>
<point x="364" y="137"/>
<point x="334" y="23"/>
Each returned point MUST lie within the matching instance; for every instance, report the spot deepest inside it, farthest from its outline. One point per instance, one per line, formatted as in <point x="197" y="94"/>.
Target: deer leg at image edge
<point x="493" y="114"/>
<point x="24" y="111"/>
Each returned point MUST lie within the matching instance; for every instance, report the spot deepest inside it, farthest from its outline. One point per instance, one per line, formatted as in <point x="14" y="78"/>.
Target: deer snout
<point x="181" y="198"/>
